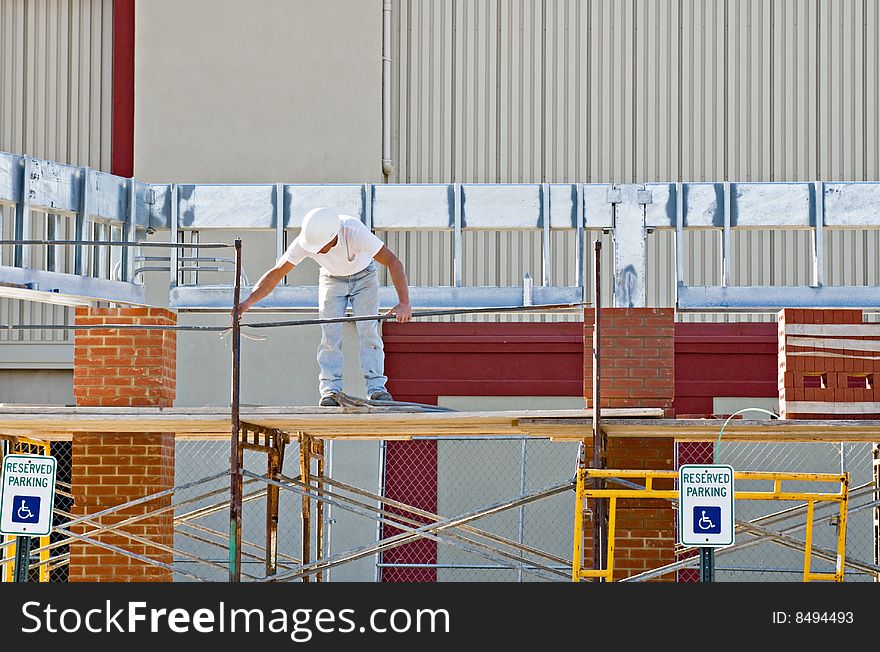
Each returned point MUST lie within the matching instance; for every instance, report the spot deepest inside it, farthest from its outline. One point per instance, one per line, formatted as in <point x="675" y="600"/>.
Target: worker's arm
<point x="403" y="310"/>
<point x="265" y="285"/>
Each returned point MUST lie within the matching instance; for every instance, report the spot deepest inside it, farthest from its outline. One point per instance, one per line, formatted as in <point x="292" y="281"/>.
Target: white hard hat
<point x="319" y="227"/>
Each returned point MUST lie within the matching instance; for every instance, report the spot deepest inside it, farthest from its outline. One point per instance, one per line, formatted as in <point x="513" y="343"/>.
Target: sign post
<point x="27" y="501"/>
<point x="705" y="511"/>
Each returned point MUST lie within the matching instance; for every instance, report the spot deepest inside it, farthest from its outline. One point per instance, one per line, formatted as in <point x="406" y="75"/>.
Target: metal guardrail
<point x="124" y="209"/>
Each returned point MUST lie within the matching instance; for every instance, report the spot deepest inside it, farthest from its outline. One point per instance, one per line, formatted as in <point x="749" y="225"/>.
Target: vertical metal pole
<point x="319" y="509"/>
<point x="875" y="466"/>
<point x="305" y="477"/>
<point x="841" y="529"/>
<point x="22" y="558"/>
<point x="522" y="492"/>
<point x="707" y="564"/>
<point x="808" y="541"/>
<point x="235" y="452"/>
<point x="598" y="462"/>
<point x="272" y="500"/>
<point x="383" y="451"/>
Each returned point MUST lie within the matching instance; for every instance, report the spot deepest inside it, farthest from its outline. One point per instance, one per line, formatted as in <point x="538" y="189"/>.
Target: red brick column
<point x="123" y="368"/>
<point x="828" y="365"/>
<point x="638" y="370"/>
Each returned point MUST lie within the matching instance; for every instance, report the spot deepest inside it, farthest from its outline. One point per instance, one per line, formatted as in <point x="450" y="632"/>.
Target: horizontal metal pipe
<point x="463" y="567"/>
<point x="296" y="322"/>
<point x="122" y="243"/>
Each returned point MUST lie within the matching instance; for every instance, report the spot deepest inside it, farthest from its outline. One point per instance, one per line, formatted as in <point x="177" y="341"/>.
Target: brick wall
<point x="123" y="368"/>
<point x="638" y="370"/>
<point x="638" y="357"/>
<point x="829" y="365"/>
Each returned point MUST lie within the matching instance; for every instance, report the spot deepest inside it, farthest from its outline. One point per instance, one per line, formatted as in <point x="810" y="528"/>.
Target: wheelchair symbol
<point x="705" y="523"/>
<point x="26" y="509"/>
<point x="707" y="519"/>
<point x="24" y="512"/>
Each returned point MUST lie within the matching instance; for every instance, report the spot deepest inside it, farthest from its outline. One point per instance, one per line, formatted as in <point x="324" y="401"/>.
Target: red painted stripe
<point x="122" y="144"/>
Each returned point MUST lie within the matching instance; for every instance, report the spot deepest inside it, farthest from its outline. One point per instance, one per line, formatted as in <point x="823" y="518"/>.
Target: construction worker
<point x="347" y="252"/>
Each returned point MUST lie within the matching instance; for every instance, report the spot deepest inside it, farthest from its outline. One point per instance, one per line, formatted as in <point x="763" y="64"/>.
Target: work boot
<point x="381" y="395"/>
<point x="329" y="400"/>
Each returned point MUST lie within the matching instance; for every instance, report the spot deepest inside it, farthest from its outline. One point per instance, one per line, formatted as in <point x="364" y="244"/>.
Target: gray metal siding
<point x="515" y="91"/>
<point x="55" y="103"/>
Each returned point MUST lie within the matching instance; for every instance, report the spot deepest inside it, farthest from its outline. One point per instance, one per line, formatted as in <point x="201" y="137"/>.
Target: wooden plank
<point x="322" y="422"/>
<point x="706" y="430"/>
<point x="335" y="423"/>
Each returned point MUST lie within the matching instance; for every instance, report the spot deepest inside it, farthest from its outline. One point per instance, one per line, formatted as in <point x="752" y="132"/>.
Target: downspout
<point x="387" y="166"/>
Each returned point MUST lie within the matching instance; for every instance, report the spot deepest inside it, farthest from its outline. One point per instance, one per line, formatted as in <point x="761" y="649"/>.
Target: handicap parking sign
<point x="27" y="494"/>
<point x="707" y="519"/>
<point x="25" y="509"/>
<point x="705" y="505"/>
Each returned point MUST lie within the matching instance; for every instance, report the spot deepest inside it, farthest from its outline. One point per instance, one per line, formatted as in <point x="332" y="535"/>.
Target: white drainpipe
<point x="387" y="166"/>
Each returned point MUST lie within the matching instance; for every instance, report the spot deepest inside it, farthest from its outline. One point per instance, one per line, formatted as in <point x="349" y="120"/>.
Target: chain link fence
<point x="453" y="476"/>
<point x="449" y="477"/>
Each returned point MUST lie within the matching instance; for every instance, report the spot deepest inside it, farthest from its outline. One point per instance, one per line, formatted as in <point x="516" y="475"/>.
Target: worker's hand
<point x="402" y="311"/>
<point x="242" y="308"/>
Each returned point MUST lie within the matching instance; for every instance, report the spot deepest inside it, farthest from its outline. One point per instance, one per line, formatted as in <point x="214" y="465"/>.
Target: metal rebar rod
<point x="450" y="535"/>
<point x="235" y="462"/>
<point x="419" y="313"/>
<point x="436" y="517"/>
<point x="295" y="322"/>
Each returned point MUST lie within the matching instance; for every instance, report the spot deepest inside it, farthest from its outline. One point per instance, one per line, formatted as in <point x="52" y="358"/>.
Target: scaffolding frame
<point x="633" y="490"/>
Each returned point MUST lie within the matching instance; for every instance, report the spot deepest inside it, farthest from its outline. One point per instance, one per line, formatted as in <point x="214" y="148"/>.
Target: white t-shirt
<point x="351" y="254"/>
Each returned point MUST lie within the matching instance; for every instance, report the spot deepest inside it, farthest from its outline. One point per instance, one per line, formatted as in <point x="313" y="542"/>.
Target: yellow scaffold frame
<point x="26" y="446"/>
<point x="648" y="491"/>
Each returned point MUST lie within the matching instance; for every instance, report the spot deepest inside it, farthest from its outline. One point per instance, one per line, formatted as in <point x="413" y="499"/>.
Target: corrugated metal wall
<point x="55" y="103"/>
<point x="633" y="91"/>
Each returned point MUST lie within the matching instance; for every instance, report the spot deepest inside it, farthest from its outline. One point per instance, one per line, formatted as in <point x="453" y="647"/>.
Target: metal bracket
<point x="614" y="195"/>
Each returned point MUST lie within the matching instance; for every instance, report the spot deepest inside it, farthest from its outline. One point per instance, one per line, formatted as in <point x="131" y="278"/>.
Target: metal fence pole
<point x="235" y="488"/>
<point x="599" y="513"/>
